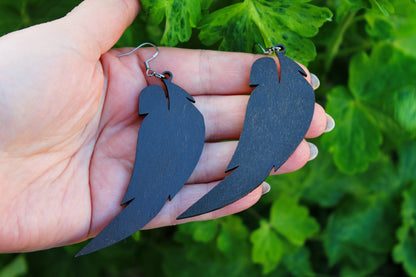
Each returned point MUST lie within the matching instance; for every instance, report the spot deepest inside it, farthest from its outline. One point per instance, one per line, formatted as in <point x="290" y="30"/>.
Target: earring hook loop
<point x="280" y="48"/>
<point x="149" y="72"/>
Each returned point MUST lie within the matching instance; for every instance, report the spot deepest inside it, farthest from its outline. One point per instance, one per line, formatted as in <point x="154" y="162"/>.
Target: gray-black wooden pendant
<point x="279" y="113"/>
<point x="169" y="144"/>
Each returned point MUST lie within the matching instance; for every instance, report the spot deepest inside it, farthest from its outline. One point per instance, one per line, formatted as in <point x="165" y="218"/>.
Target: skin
<point x="69" y="124"/>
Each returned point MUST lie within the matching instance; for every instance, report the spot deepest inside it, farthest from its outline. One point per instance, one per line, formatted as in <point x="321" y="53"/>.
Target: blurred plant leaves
<point x="17" y="267"/>
<point x="380" y="75"/>
<point x="384" y="7"/>
<point x="379" y="26"/>
<point x="20" y="14"/>
<point x="405" y="251"/>
<point x="405" y="107"/>
<point x="292" y="220"/>
<point x="204" y="231"/>
<point x="298" y="263"/>
<point x="233" y="237"/>
<point x="181" y="16"/>
<point x="385" y="79"/>
<point x="267" y="247"/>
<point x="240" y="26"/>
<point x="136" y="236"/>
<point x="407" y="162"/>
<point x="360" y="235"/>
<point x="227" y="254"/>
<point x="361" y="188"/>
<point x="356" y="140"/>
<point x="404" y="22"/>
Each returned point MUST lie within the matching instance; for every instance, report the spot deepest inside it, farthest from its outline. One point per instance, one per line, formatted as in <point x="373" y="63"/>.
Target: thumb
<point x="100" y="23"/>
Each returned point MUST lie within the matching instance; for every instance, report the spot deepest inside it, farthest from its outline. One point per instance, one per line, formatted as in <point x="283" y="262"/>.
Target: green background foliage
<point x="350" y="212"/>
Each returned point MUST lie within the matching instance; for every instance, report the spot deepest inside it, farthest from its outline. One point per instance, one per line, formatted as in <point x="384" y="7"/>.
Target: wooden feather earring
<point x="279" y="112"/>
<point x="169" y="145"/>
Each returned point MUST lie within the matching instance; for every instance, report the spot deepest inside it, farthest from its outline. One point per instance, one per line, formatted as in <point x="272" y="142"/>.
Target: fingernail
<point x="265" y="188"/>
<point x="330" y="123"/>
<point x="313" y="151"/>
<point x="315" y="81"/>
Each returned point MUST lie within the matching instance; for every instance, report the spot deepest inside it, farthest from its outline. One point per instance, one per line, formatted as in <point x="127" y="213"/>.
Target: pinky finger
<point x="192" y="193"/>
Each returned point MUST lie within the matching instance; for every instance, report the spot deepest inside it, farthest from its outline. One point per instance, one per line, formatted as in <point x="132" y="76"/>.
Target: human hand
<point x="69" y="125"/>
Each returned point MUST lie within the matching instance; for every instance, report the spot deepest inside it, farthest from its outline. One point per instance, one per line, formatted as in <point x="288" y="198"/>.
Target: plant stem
<point x="362" y="47"/>
<point x="24" y="15"/>
<point x="336" y="40"/>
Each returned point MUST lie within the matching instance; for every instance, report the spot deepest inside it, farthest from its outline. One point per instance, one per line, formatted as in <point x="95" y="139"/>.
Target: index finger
<point x="204" y="72"/>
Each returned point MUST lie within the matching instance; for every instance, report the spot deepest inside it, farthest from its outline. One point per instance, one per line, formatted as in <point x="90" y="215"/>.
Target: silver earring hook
<point x="149" y="72"/>
<point x="280" y="48"/>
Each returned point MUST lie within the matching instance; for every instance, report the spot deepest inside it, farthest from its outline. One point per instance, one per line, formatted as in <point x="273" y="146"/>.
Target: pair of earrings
<point x="172" y="136"/>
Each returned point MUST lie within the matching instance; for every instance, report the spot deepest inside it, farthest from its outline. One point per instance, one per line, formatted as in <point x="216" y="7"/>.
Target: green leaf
<point x="360" y="234"/>
<point x="298" y="263"/>
<point x="326" y="186"/>
<point x="385" y="6"/>
<point x="405" y="108"/>
<point x="292" y="220"/>
<point x="310" y="184"/>
<point x="405" y="251"/>
<point x="321" y="183"/>
<point x="397" y="26"/>
<point x="394" y="134"/>
<point x="382" y="87"/>
<point x="181" y="17"/>
<point x="359" y="4"/>
<point x="356" y="140"/>
<point x="17" y="267"/>
<point x="375" y="79"/>
<point x="382" y="6"/>
<point x="136" y="236"/>
<point x="176" y="263"/>
<point x="241" y="25"/>
<point x="233" y="236"/>
<point x="379" y="26"/>
<point x="203" y="231"/>
<point x="205" y="4"/>
<point x="267" y="248"/>
<point x="356" y="224"/>
<point x="407" y="162"/>
<point x="406" y="43"/>
<point x="371" y="76"/>
<point x="227" y="255"/>
<point x="328" y="191"/>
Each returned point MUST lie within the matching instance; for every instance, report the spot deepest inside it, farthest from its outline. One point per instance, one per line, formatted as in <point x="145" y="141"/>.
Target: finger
<point x="97" y="24"/>
<point x="318" y="123"/>
<point x="203" y="71"/>
<point x="216" y="157"/>
<point x="190" y="194"/>
<point x="224" y="117"/>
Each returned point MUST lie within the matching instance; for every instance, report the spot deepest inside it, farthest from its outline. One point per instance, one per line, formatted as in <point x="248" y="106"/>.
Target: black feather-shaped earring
<point x="169" y="145"/>
<point x="279" y="113"/>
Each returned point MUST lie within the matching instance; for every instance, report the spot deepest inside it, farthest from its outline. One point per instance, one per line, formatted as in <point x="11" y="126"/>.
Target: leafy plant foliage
<point x="350" y="212"/>
<point x="271" y="22"/>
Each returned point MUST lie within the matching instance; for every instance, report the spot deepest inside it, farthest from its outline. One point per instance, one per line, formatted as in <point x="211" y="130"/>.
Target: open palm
<point x="69" y="124"/>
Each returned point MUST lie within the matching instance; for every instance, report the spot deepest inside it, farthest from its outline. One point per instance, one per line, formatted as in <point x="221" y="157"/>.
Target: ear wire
<point x="149" y="72"/>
